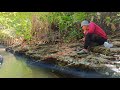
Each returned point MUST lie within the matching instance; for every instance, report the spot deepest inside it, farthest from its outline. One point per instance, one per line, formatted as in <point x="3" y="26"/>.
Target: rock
<point x="50" y="60"/>
<point x="30" y="52"/>
<point x="66" y="56"/>
<point x="36" y="56"/>
<point x="115" y="50"/>
<point x="112" y="58"/>
<point x="116" y="39"/>
<point x="107" y="73"/>
<point x="116" y="43"/>
<point x="101" y="49"/>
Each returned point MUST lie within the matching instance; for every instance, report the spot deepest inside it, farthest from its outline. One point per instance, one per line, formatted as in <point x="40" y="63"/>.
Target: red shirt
<point x="95" y="29"/>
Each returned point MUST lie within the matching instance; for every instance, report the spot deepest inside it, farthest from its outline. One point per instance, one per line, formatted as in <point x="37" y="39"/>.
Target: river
<point x="16" y="67"/>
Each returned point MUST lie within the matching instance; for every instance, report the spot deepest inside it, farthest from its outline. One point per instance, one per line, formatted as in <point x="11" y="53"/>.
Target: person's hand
<point x="83" y="39"/>
<point x="85" y="50"/>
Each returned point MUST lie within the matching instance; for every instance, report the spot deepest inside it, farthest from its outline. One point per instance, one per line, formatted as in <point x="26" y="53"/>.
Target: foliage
<point x="68" y="23"/>
<point x="20" y="21"/>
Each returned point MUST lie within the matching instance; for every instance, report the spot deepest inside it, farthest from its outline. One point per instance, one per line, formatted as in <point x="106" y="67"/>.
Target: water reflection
<point x="15" y="67"/>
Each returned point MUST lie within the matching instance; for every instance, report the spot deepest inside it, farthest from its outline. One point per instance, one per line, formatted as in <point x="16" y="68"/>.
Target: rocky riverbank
<point x="101" y="60"/>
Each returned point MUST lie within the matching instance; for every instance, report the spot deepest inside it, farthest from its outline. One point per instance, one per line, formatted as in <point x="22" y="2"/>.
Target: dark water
<point x="15" y="67"/>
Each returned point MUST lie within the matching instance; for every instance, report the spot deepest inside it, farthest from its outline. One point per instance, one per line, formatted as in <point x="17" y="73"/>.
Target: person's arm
<point x="87" y="40"/>
<point x="83" y="39"/>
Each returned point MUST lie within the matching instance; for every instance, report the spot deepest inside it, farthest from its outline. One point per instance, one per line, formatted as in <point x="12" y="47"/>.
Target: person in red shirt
<point x="92" y="34"/>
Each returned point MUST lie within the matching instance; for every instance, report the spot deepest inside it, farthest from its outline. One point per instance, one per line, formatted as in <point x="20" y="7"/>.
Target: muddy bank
<point x="100" y="62"/>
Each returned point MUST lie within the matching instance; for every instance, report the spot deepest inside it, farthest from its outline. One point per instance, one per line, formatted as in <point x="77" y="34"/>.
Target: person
<point x="93" y="34"/>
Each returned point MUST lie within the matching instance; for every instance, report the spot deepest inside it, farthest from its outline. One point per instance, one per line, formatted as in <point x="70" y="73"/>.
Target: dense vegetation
<point x="53" y="26"/>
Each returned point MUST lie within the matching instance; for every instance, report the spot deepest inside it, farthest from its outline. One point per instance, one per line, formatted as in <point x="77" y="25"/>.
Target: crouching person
<point x="92" y="34"/>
